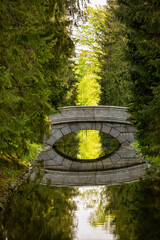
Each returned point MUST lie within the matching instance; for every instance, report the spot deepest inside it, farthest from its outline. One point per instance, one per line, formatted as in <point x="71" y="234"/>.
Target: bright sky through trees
<point x="97" y="2"/>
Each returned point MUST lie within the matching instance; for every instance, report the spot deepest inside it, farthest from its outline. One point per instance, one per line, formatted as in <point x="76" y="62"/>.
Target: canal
<point x="124" y="212"/>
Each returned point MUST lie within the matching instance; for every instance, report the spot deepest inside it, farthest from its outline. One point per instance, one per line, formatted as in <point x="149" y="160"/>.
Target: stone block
<point x="87" y="180"/>
<point x="66" y="163"/>
<point x="71" y="180"/>
<point x="66" y="130"/>
<point x="86" y="166"/>
<point x="129" y="136"/>
<point x="107" y="163"/>
<point x="81" y="126"/>
<point x="58" y="159"/>
<point x="74" y="127"/>
<point x="96" y="126"/>
<point x="131" y="129"/>
<point x="43" y="156"/>
<point x="102" y="178"/>
<point x="97" y="165"/>
<point x="123" y="176"/>
<point x="121" y="138"/>
<point x="127" y="153"/>
<point x="51" y="163"/>
<point x="88" y="126"/>
<point x="115" y="158"/>
<point x="51" y="141"/>
<point x="52" y="153"/>
<point x="53" y="179"/>
<point x="106" y="128"/>
<point x="114" y="133"/>
<point x="137" y="171"/>
<point x="122" y="129"/>
<point x="126" y="144"/>
<point x="57" y="134"/>
<point x="76" y="166"/>
<point x="100" y="112"/>
<point x="54" y="130"/>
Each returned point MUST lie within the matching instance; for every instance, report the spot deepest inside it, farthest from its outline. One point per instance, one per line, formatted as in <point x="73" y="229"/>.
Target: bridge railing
<point x="91" y="113"/>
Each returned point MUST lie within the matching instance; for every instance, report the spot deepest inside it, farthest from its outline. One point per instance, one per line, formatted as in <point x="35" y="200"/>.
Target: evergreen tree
<point x="142" y="20"/>
<point x="35" y="68"/>
<point x="113" y="67"/>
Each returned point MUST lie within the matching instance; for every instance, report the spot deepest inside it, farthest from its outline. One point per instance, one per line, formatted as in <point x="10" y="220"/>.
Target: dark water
<point x="86" y="144"/>
<point x="125" y="212"/>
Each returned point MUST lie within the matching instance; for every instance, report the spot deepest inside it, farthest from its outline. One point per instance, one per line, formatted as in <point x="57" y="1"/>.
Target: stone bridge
<point x="124" y="165"/>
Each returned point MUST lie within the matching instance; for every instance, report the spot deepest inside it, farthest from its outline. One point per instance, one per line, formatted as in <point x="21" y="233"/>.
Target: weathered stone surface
<point x="121" y="138"/>
<point x="103" y="179"/>
<point x="81" y="126"/>
<point x="116" y="169"/>
<point x="67" y="163"/>
<point x="127" y="153"/>
<point x="115" y="158"/>
<point x="129" y="136"/>
<point x="43" y="156"/>
<point x="114" y="133"/>
<point x="110" y="177"/>
<point x="98" y="165"/>
<point x="57" y="134"/>
<point x="106" y="128"/>
<point x="122" y="129"/>
<point x="52" y="153"/>
<point x="56" y="179"/>
<point x="76" y="166"/>
<point x="86" y="166"/>
<point x="74" y="127"/>
<point x="58" y="159"/>
<point x="66" y="130"/>
<point x="131" y="129"/>
<point x="96" y="126"/>
<point x="107" y="163"/>
<point x="52" y="162"/>
<point x="51" y="141"/>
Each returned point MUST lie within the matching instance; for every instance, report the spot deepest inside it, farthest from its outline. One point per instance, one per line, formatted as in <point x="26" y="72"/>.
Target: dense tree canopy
<point x="35" y="69"/>
<point x="142" y="20"/>
<point x="108" y="48"/>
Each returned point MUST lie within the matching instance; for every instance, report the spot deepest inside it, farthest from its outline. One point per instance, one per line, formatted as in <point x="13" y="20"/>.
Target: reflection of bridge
<point x="124" y="165"/>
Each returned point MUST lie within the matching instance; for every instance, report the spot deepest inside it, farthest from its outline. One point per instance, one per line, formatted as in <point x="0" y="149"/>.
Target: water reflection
<point x="40" y="212"/>
<point x="135" y="210"/>
<point x="86" y="144"/>
<point x="125" y="212"/>
<point x="89" y="201"/>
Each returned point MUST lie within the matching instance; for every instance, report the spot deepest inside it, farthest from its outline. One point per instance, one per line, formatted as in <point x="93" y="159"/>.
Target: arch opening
<point x="86" y="145"/>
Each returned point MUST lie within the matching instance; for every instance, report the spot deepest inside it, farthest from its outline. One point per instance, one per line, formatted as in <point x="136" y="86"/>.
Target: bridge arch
<point x="108" y="119"/>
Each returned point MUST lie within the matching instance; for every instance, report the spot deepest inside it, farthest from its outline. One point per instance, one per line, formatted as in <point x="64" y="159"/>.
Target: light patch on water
<point x="88" y="202"/>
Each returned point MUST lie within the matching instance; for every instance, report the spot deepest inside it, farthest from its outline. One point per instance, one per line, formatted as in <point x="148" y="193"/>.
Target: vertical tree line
<point x="128" y="53"/>
<point x="142" y="21"/>
<point x="36" y="73"/>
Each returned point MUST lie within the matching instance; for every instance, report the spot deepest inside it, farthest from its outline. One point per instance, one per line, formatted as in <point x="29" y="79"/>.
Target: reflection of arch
<point x="108" y="119"/>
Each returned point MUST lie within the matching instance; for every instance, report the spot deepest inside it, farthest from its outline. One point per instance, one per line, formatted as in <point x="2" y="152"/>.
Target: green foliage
<point x="40" y="212"/>
<point x="101" y="62"/>
<point x="142" y="20"/>
<point x="86" y="70"/>
<point x="35" y="71"/>
<point x="88" y="88"/>
<point x="89" y="144"/>
<point x="113" y="67"/>
<point x="136" y="209"/>
<point x="86" y="144"/>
